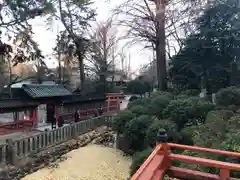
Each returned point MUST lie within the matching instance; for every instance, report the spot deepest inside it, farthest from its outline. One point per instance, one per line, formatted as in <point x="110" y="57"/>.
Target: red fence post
<point x="108" y="104"/>
<point x="224" y="174"/>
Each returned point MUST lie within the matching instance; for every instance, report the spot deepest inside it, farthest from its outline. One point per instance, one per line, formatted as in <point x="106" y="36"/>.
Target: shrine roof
<point x="16" y="103"/>
<point x="42" y="90"/>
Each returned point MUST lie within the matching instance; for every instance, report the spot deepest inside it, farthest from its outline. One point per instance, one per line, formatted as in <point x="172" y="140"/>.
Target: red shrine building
<point x="35" y="105"/>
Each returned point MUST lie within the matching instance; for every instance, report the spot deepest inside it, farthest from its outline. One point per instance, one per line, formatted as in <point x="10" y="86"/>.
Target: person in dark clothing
<point x="95" y="114"/>
<point x="77" y="116"/>
<point x="60" y="121"/>
<point x="54" y="123"/>
<point x="100" y="111"/>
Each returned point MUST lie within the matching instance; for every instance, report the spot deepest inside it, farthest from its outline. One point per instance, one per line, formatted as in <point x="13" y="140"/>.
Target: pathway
<point x="92" y="162"/>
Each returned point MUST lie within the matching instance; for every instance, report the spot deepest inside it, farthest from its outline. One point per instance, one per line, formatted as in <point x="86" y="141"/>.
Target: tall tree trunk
<point x="81" y="69"/>
<point x="80" y="54"/>
<point x="39" y="72"/>
<point x="15" y="114"/>
<point x="10" y="76"/>
<point x="103" y="83"/>
<point x="160" y="46"/>
<point x="59" y="68"/>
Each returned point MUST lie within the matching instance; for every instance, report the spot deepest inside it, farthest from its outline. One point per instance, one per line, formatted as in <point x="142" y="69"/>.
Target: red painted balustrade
<point x="112" y="106"/>
<point x="161" y="159"/>
<point x="16" y="126"/>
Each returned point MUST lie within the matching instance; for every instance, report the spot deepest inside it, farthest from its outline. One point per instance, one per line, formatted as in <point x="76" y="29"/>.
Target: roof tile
<point x="39" y="90"/>
<point x="16" y="103"/>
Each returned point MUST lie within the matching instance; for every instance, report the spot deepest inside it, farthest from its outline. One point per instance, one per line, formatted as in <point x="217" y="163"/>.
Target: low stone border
<point x="45" y="158"/>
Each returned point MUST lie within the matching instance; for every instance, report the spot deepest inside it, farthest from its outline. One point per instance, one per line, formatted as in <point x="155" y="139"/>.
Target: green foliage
<point x="138" y="159"/>
<point x="113" y="89"/>
<point x="158" y="104"/>
<point x="213" y="131"/>
<point x="162" y="93"/>
<point x="169" y="126"/>
<point x="191" y="120"/>
<point x="209" y="52"/>
<point x="135" y="132"/>
<point x="220" y="131"/>
<point x="228" y="96"/>
<point x="147" y="82"/>
<point x="187" y="135"/>
<point x="182" y="96"/>
<point x="188" y="93"/>
<point x="231" y="142"/>
<point x="122" y="119"/>
<point x="137" y="87"/>
<point x="141" y="102"/>
<point x="21" y="11"/>
<point x="139" y="110"/>
<point x="191" y="111"/>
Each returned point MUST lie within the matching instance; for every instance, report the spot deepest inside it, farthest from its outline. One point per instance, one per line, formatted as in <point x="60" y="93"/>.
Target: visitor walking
<point x="77" y="116"/>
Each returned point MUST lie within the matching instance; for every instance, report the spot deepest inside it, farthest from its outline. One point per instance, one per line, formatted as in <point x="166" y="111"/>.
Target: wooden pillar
<point x="61" y="109"/>
<point x="57" y="112"/>
<point x="118" y="103"/>
<point x="15" y="116"/>
<point x="34" y="117"/>
<point x="108" y="103"/>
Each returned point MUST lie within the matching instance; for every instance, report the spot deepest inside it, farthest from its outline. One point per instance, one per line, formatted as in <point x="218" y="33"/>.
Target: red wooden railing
<point x="112" y="106"/>
<point x="91" y="112"/>
<point x="160" y="162"/>
<point x="15" y="126"/>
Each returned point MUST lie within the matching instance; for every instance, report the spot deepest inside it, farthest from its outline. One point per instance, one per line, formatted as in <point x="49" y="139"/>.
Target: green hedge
<point x="228" y="96"/>
<point x="187" y="112"/>
<point x="138" y="160"/>
<point x="135" y="132"/>
<point x="171" y="128"/>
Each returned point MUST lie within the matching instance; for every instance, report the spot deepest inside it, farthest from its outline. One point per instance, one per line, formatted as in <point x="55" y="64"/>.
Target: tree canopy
<point x="211" y="53"/>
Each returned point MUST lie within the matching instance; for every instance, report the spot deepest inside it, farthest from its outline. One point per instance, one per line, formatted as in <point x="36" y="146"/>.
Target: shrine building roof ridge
<point x="46" y="90"/>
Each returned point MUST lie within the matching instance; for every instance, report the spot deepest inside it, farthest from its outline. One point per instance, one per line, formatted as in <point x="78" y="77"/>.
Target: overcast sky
<point x="46" y="38"/>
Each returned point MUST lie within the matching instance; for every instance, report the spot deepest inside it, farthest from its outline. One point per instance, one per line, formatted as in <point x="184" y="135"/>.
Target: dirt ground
<point x="92" y="162"/>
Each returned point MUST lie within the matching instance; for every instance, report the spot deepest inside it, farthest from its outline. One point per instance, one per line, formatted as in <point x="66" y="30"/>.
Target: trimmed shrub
<point x="162" y="93"/>
<point x="213" y="131"/>
<point x="190" y="92"/>
<point x="141" y="102"/>
<point x="228" y="96"/>
<point x="139" y="110"/>
<point x="138" y="160"/>
<point x="233" y="123"/>
<point x="218" y="132"/>
<point x="187" y="135"/>
<point x="187" y="94"/>
<point x="137" y="87"/>
<point x="135" y="132"/>
<point x="191" y="111"/>
<point x="114" y="89"/>
<point x="158" y="104"/>
<point x="169" y="126"/>
<point x="122" y="119"/>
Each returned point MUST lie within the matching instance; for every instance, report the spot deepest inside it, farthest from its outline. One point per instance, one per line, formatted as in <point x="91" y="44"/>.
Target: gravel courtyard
<point x="92" y="162"/>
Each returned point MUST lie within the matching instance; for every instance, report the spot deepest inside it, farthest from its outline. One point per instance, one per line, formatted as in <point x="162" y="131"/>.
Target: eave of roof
<point x="16" y="103"/>
<point x="43" y="91"/>
<point x="79" y="98"/>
